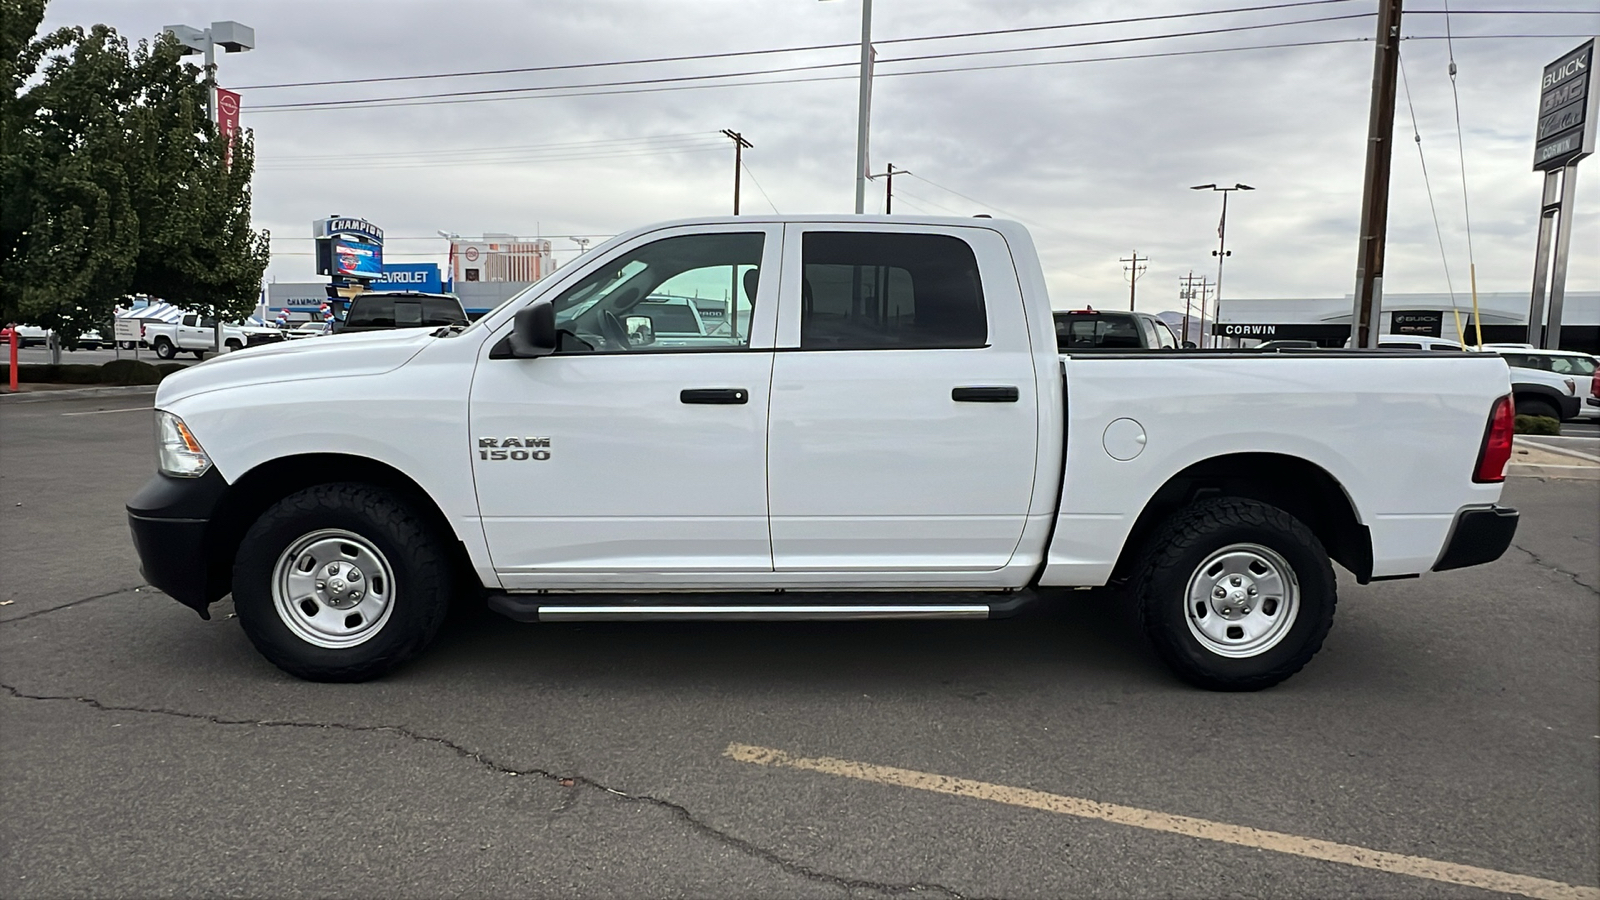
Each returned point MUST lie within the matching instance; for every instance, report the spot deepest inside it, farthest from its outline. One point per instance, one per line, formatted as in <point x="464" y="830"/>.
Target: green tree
<point x="114" y="180"/>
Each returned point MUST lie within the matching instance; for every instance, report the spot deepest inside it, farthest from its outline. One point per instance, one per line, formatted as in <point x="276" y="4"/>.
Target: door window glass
<point x="863" y="291"/>
<point x="1164" y="336"/>
<point x="693" y="292"/>
<point x="1109" y="332"/>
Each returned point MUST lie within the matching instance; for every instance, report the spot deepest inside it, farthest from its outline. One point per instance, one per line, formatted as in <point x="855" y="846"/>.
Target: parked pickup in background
<point x="890" y="432"/>
<point x="192" y="334"/>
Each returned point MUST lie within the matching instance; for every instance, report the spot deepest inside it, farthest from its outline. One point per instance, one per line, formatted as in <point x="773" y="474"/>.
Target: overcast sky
<point x="1096" y="156"/>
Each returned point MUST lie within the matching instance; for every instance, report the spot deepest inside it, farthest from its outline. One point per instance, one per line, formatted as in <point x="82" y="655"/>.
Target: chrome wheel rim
<point x="1242" y="600"/>
<point x="332" y="588"/>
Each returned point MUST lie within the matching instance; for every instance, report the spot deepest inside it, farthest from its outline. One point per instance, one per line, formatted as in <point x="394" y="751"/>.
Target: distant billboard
<point x="1567" y="110"/>
<point x="356" y="259"/>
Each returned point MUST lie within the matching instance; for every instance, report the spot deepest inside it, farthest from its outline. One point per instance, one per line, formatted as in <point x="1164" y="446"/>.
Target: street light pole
<point x="1222" y="252"/>
<point x="233" y="38"/>
<point x="864" y="106"/>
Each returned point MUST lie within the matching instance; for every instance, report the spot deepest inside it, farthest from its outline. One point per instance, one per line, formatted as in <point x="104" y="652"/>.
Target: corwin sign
<point x="1567" y="110"/>
<point x="424" y="277"/>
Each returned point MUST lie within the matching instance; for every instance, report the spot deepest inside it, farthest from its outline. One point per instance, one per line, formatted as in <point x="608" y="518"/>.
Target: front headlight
<point x="179" y="453"/>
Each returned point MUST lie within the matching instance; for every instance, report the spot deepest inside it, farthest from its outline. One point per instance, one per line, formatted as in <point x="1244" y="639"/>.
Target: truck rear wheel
<point x="1235" y="595"/>
<point x="164" y="348"/>
<point x="340" y="582"/>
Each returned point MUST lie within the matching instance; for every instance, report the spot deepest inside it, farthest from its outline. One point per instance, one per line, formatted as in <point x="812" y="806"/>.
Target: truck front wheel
<point x="340" y="582"/>
<point x="164" y="348"/>
<point x="1235" y="594"/>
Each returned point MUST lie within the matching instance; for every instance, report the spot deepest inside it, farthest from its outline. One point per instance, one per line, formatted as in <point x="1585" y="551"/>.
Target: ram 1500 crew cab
<point x="890" y="431"/>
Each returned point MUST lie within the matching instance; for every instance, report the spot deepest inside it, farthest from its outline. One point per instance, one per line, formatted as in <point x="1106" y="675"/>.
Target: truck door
<point x="620" y="460"/>
<point x="904" y="423"/>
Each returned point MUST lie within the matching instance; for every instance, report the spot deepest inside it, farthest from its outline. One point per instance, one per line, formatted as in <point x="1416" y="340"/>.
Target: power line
<point x="1416" y="135"/>
<point x="503" y="160"/>
<point x="522" y="70"/>
<point x="581" y="91"/>
<point x="1472" y="263"/>
<point x="486" y="92"/>
<point x="652" y="140"/>
<point x="761" y="189"/>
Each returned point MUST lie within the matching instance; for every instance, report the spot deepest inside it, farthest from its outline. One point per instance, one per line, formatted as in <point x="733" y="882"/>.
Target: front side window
<point x="864" y="291"/>
<point x="651" y="298"/>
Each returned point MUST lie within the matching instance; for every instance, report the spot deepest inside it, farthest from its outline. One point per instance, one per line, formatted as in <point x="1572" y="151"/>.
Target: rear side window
<point x="403" y="312"/>
<point x="1080" y="332"/>
<point x="669" y="318"/>
<point x="865" y="291"/>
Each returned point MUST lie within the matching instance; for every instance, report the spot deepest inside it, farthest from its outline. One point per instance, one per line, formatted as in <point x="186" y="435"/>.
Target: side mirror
<point x="641" y="330"/>
<point x="533" y="334"/>
<point x="1190" y="345"/>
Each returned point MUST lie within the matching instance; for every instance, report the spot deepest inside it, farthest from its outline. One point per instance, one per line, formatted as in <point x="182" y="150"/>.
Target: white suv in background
<point x="1560" y="369"/>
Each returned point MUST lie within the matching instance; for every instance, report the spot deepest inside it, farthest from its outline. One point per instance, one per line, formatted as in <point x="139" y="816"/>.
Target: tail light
<point x="1572" y="387"/>
<point x="1496" y="451"/>
<point x="1594" y="384"/>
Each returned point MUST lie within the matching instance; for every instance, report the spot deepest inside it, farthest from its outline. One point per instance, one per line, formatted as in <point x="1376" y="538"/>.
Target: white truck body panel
<point x="845" y="468"/>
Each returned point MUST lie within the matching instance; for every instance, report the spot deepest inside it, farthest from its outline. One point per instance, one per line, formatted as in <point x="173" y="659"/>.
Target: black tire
<point x="198" y="354"/>
<point x="1175" y="556"/>
<point x="233" y="345"/>
<point x="1537" y="406"/>
<point x="164" y="348"/>
<point x="419" y="596"/>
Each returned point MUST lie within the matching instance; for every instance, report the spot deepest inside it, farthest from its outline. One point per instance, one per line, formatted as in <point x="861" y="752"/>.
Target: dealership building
<point x="1504" y="316"/>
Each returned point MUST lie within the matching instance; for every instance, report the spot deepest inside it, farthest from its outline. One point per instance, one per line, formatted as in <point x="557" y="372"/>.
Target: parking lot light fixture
<point x="1222" y="250"/>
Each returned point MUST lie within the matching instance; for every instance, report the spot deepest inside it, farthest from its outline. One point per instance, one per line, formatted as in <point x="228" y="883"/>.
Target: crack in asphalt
<point x="1539" y="561"/>
<point x="40" y="612"/>
<point x="678" y="811"/>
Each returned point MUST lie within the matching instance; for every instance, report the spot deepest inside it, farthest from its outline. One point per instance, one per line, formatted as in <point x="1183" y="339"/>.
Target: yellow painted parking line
<point x="1150" y="820"/>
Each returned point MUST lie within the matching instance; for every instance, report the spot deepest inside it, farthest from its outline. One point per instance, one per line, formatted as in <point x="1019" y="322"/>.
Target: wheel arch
<point x="1299" y="487"/>
<point x="253" y="492"/>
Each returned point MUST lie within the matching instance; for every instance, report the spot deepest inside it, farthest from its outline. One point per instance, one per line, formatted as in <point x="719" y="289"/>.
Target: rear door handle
<point x="714" y="395"/>
<point x="1006" y="394"/>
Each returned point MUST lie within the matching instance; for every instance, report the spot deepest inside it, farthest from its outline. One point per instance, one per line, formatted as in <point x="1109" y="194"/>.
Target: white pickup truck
<point x="890" y="432"/>
<point x="192" y="334"/>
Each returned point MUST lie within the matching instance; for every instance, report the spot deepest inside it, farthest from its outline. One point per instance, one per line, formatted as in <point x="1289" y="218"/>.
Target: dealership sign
<point x="424" y="277"/>
<point x="1567" y="110"/>
<point x="348" y="248"/>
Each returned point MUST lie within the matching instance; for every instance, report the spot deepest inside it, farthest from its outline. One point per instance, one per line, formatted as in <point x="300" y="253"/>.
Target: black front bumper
<point x="1479" y="535"/>
<point x="169" y="518"/>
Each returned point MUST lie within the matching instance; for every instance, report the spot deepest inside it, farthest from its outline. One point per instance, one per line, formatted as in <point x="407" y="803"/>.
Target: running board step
<point x="537" y="608"/>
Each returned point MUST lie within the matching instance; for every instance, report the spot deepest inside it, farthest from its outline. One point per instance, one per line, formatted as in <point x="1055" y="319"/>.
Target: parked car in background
<point x="34" y="336"/>
<point x="1413" y="342"/>
<point x="1095" y="329"/>
<point x="1567" y="371"/>
<point x="382" y="310"/>
<point x="307" y="329"/>
<point x="192" y="334"/>
<point x="1286" y="345"/>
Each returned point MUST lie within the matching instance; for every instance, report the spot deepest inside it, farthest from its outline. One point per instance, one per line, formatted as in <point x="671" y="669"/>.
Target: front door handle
<point x="1006" y="394"/>
<point x="714" y="395"/>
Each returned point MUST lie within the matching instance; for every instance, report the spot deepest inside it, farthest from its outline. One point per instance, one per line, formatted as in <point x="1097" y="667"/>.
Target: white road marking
<point x="1204" y="829"/>
<point x="101" y="412"/>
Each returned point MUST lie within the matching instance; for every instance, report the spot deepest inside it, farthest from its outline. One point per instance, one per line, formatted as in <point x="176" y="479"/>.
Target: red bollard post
<point x="10" y="336"/>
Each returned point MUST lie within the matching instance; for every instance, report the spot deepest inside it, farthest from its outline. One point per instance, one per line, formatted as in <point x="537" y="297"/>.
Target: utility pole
<point x="1364" y="317"/>
<point x="888" y="187"/>
<point x="1186" y="294"/>
<point x="739" y="143"/>
<point x="1132" y="271"/>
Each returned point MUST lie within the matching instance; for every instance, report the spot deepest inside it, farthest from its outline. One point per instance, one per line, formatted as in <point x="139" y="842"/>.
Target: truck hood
<point x="308" y="359"/>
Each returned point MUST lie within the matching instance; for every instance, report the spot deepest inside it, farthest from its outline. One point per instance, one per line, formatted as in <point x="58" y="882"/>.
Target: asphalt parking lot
<point x="1445" y="743"/>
